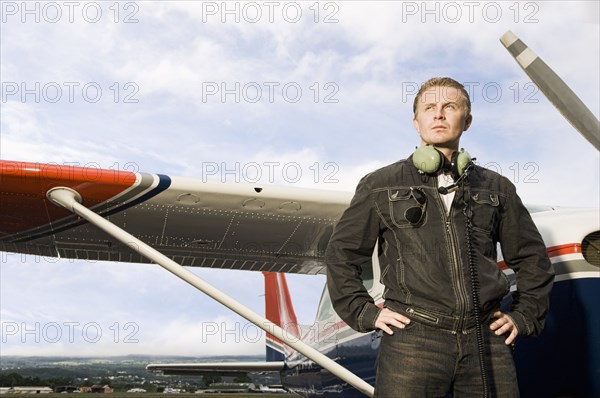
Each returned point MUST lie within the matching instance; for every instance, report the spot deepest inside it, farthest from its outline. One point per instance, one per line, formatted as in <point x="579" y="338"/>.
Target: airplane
<point x="70" y="212"/>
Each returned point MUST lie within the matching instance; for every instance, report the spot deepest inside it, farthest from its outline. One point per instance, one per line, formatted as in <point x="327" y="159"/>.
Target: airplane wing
<point x="45" y="209"/>
<point x="220" y="368"/>
<point x="554" y="88"/>
<point x="194" y="222"/>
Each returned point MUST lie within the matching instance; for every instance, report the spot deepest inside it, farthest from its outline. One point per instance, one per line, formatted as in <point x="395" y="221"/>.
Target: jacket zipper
<point x="462" y="294"/>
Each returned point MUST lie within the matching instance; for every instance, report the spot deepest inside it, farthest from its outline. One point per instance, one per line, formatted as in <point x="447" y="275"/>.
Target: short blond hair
<point x="443" y="82"/>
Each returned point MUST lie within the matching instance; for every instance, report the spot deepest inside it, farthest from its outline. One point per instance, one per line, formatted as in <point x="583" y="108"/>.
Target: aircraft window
<point x="325" y="307"/>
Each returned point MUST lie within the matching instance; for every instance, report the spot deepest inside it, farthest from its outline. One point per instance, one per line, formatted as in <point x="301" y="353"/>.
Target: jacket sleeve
<point x="350" y="246"/>
<point x="524" y="252"/>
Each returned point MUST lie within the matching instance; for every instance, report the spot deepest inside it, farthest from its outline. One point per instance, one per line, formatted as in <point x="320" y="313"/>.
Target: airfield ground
<point x="152" y="395"/>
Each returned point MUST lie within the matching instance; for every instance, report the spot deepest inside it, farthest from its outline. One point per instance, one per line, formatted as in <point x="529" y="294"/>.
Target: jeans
<point x="424" y="361"/>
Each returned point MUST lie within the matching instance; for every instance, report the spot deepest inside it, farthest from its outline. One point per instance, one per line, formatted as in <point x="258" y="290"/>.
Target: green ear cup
<point x="462" y="161"/>
<point x="427" y="159"/>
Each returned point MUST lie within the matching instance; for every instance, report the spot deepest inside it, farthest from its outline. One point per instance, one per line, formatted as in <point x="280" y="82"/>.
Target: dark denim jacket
<point x="424" y="267"/>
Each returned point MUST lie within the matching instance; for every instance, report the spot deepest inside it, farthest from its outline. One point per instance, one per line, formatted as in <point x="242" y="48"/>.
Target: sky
<point x="303" y="94"/>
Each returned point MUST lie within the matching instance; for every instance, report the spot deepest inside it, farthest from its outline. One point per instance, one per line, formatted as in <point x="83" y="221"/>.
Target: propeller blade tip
<point x="508" y="38"/>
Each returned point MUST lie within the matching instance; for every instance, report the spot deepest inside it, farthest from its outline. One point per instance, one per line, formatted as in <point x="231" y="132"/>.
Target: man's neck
<point x="447" y="151"/>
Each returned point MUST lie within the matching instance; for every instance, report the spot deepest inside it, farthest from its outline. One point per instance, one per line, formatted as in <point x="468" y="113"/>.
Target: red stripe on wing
<point x="23" y="187"/>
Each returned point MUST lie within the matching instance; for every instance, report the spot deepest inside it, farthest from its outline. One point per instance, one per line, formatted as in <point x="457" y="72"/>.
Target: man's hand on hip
<point x="504" y="324"/>
<point x="388" y="317"/>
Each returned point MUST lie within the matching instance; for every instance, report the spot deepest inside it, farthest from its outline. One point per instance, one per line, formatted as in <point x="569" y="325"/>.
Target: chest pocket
<point x="400" y="200"/>
<point x="485" y="211"/>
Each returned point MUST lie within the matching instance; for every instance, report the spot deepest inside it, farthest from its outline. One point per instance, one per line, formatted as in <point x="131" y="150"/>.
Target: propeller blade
<point x="554" y="88"/>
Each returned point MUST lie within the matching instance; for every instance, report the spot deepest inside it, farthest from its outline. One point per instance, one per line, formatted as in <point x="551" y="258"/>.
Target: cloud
<point x="131" y="308"/>
<point x="142" y="95"/>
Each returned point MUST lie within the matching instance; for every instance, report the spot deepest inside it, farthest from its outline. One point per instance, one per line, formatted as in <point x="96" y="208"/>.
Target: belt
<point x="442" y="321"/>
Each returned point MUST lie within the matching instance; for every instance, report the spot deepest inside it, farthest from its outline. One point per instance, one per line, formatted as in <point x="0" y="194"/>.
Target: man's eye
<point x="450" y="106"/>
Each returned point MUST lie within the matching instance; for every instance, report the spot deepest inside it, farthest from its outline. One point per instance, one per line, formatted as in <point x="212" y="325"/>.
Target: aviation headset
<point x="428" y="160"/>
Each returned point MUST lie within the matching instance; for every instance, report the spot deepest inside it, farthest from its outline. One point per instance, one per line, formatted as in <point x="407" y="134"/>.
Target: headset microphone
<point x="446" y="190"/>
<point x="451" y="187"/>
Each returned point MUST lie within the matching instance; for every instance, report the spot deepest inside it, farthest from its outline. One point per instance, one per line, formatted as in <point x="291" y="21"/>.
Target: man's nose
<point x="439" y="112"/>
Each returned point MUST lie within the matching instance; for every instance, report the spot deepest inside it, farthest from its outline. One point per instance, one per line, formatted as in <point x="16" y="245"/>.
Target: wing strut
<point x="70" y="200"/>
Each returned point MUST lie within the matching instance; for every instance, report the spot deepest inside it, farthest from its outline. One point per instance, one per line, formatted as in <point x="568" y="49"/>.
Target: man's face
<point x="441" y="117"/>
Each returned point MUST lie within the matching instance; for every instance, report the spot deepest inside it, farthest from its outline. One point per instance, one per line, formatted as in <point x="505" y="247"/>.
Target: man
<point x="426" y="238"/>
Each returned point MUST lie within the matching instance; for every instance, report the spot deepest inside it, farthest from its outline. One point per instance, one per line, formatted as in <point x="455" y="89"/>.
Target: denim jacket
<point x="424" y="265"/>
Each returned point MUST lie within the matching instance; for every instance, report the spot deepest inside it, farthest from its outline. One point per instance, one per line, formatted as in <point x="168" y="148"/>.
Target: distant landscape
<point x="121" y="373"/>
<point x="159" y="395"/>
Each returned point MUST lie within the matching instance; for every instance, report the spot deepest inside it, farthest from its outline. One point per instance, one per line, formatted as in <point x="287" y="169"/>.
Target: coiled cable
<point x="475" y="287"/>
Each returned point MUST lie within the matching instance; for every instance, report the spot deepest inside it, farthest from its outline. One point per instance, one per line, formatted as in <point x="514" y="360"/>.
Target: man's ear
<point x="468" y="121"/>
<point x="416" y="124"/>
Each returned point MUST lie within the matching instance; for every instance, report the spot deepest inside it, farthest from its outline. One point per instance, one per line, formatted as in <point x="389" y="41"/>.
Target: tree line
<point x="15" y="379"/>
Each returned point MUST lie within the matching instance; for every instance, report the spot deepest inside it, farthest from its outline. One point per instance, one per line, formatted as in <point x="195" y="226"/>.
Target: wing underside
<point x="196" y="223"/>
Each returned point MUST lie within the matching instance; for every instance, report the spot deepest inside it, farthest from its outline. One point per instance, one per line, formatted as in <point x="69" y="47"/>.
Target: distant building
<point x="25" y="390"/>
<point x="97" y="388"/>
